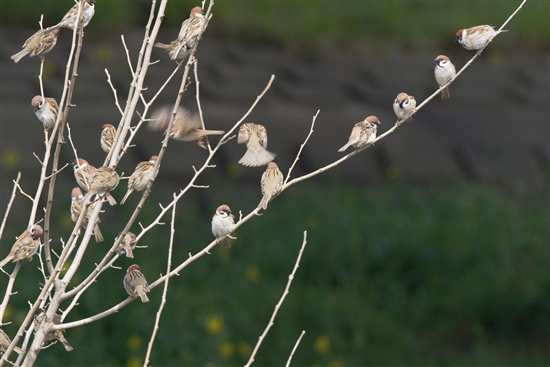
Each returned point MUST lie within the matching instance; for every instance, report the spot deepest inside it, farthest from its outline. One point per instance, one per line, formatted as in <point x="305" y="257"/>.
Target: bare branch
<point x="114" y="91"/>
<point x="302" y="146"/>
<point x="294" y="349"/>
<point x="12" y="197"/>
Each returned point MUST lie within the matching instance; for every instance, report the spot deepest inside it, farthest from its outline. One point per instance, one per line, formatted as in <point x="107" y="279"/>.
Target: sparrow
<point x="476" y="38"/>
<point x="69" y="20"/>
<point x="271" y="183"/>
<point x="127" y="245"/>
<point x="135" y="283"/>
<point x="183" y="52"/>
<point x="107" y="137"/>
<point x="140" y="178"/>
<point x="186" y="127"/>
<point x="255" y="137"/>
<point x="362" y="133"/>
<point x="5" y="342"/>
<point x="83" y="173"/>
<point x="77" y="200"/>
<point x="54" y="334"/>
<point x="45" y="110"/>
<point x="223" y="224"/>
<point x="104" y="180"/>
<point x="25" y="246"/>
<point x="404" y="106"/>
<point x="38" y="44"/>
<point x="189" y="32"/>
<point x="444" y="71"/>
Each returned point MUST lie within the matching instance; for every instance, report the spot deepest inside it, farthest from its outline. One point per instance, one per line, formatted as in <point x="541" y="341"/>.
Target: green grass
<point x="384" y="25"/>
<point x="392" y="275"/>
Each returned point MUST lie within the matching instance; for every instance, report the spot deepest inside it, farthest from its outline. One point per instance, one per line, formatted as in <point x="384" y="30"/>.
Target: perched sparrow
<point x="186" y="127"/>
<point x="476" y="38"/>
<point x="5" y="342"/>
<point x="255" y="137"/>
<point x="77" y="200"/>
<point x="25" y="246"/>
<point x="444" y="71"/>
<point x="83" y="173"/>
<point x="104" y="180"/>
<point x="127" y="245"/>
<point x="135" y="283"/>
<point x="223" y="223"/>
<point x="107" y="137"/>
<point x="140" y="178"/>
<point x="189" y="31"/>
<point x="272" y="182"/>
<point x="404" y="106"/>
<point x="69" y="20"/>
<point x="46" y="110"/>
<point x="362" y="133"/>
<point x="38" y="44"/>
<point x="183" y="52"/>
<point x="54" y="334"/>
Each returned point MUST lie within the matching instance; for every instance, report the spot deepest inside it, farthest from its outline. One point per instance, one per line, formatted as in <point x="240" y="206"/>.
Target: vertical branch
<point x="278" y="305"/>
<point x="165" y="291"/>
<point x="294" y="349"/>
<point x="8" y="290"/>
<point x="13" y="193"/>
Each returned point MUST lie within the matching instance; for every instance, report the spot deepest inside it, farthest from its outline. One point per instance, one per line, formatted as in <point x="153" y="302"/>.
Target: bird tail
<point x="213" y="132"/>
<point x="97" y="233"/>
<point x="66" y="344"/>
<point x="344" y="147"/>
<point x="126" y="196"/>
<point x="264" y="202"/>
<point x="129" y="252"/>
<point x="18" y="56"/>
<point x="143" y="297"/>
<point x="226" y="242"/>
<point x="445" y="93"/>
<point x="111" y="199"/>
<point x="161" y="45"/>
<point x="256" y="158"/>
<point x="5" y="261"/>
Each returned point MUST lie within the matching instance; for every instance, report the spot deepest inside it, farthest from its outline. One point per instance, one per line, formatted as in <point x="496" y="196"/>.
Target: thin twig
<point x="12" y="197"/>
<point x="114" y="91"/>
<point x="294" y="349"/>
<point x="278" y="305"/>
<point x="302" y="146"/>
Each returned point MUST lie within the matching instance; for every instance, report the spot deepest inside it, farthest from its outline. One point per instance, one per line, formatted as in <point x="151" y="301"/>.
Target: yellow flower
<point x="10" y="159"/>
<point x="214" y="324"/>
<point x="226" y="349"/>
<point x="134" y="342"/>
<point x="322" y="344"/>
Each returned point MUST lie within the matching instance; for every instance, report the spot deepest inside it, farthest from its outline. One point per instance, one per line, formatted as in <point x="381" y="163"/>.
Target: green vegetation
<point x="392" y="275"/>
<point x="295" y="24"/>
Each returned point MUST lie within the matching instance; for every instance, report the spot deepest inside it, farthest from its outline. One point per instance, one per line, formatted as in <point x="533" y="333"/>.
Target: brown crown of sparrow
<point x="271" y="183"/>
<point x="186" y="127"/>
<point x="223" y="224"/>
<point x="255" y="137"/>
<point x="363" y="133"/>
<point x="140" y="178"/>
<point x="25" y="246"/>
<point x="189" y="31"/>
<point x="108" y="134"/>
<point x="77" y="200"/>
<point x="38" y="44"/>
<point x="54" y="334"/>
<point x="135" y="283"/>
<point x="404" y="106"/>
<point x="45" y="110"/>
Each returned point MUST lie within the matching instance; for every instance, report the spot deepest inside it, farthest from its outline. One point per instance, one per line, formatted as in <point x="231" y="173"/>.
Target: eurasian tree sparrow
<point x="255" y="137"/>
<point x="45" y="110"/>
<point x="83" y="173"/>
<point x="77" y="200"/>
<point x="362" y="133"/>
<point x="171" y="50"/>
<point x="271" y="183"/>
<point x="186" y="127"/>
<point x="135" y="283"/>
<point x="189" y="31"/>
<point x="54" y="334"/>
<point x="140" y="178"/>
<point x="477" y="37"/>
<point x="444" y="71"/>
<point x="404" y="106"/>
<point x="107" y="137"/>
<point x="223" y="224"/>
<point x="127" y="245"/>
<point x="25" y="246"/>
<point x="5" y="342"/>
<point x="104" y="180"/>
<point x="38" y="44"/>
<point x="69" y="20"/>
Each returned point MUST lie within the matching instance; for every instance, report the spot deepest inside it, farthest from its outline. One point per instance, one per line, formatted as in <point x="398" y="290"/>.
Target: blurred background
<point x="430" y="248"/>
